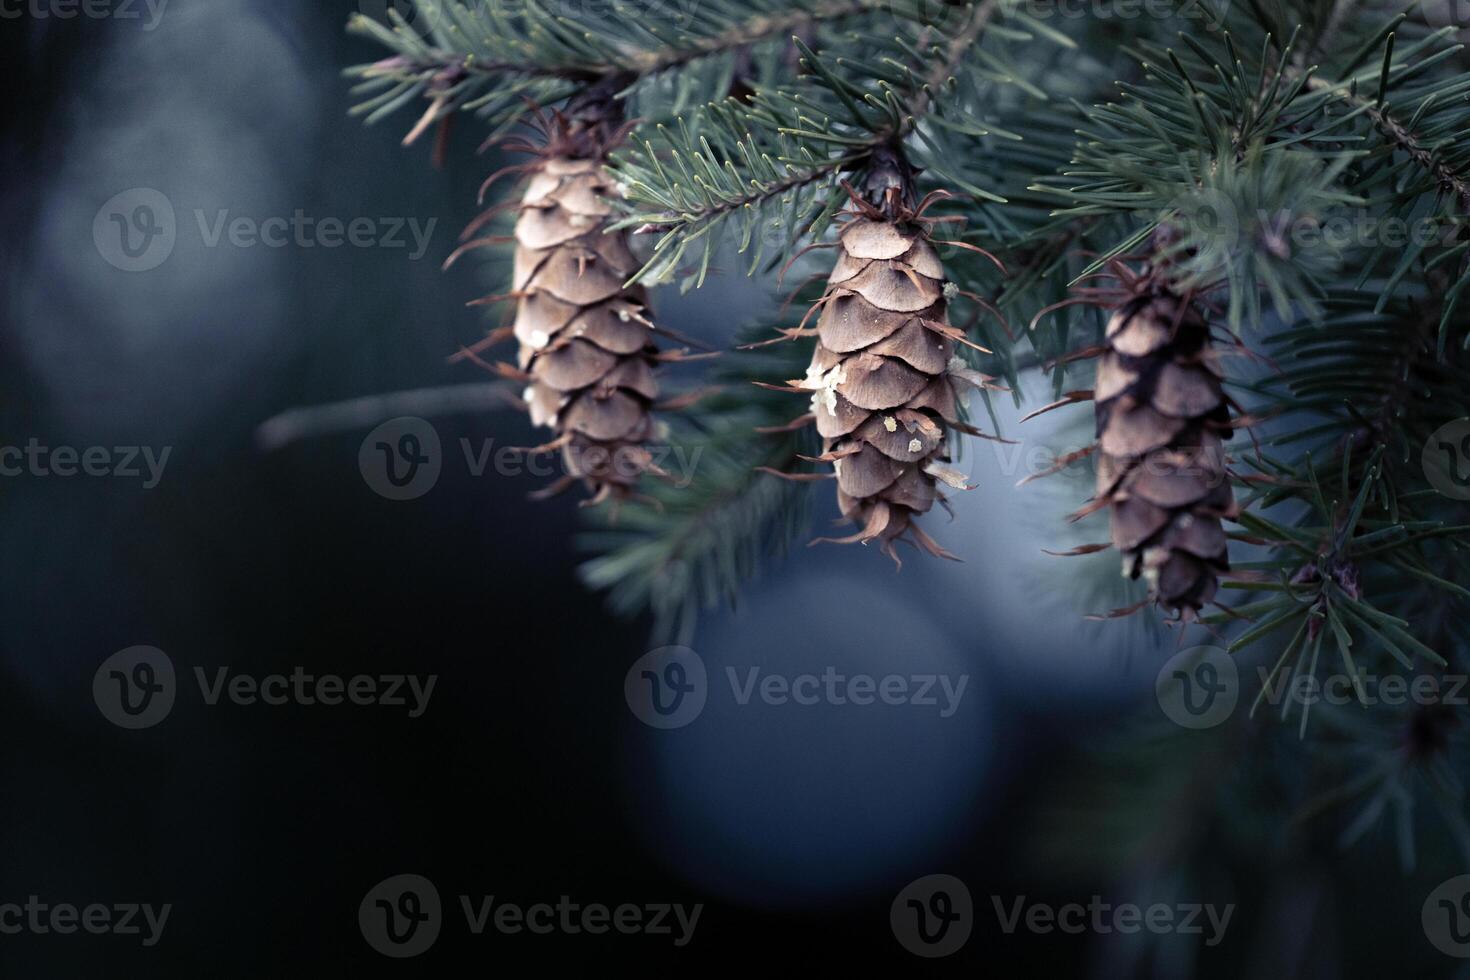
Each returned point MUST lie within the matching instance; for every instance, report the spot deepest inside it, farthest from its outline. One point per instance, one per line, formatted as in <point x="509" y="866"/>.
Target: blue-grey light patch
<point x="779" y="804"/>
<point x="168" y="110"/>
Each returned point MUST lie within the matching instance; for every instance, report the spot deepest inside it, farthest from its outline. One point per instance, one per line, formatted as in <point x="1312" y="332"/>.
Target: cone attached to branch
<point x="1162" y="418"/>
<point x="585" y="343"/>
<point x="584" y="338"/>
<point x="885" y="380"/>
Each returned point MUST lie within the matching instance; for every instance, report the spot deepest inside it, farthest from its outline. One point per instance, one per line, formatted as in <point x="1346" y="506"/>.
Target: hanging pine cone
<point x="1162" y="414"/>
<point x="585" y="342"/>
<point x="884" y="374"/>
<point x="586" y="353"/>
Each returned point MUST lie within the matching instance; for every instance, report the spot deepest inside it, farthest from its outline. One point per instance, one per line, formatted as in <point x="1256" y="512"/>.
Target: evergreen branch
<point x="760" y="26"/>
<point x="1375" y="377"/>
<point x="694" y="185"/>
<point x="959" y="48"/>
<point x="1450" y="178"/>
<point x="1158" y="154"/>
<point x="784" y="147"/>
<point x="491" y="57"/>
<point x="315" y="421"/>
<point x="757" y="29"/>
<point x="690" y="548"/>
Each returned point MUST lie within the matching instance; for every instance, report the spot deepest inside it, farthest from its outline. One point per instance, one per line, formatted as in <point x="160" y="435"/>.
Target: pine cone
<point x="1161" y="411"/>
<point x="884" y="377"/>
<point x="585" y="342"/>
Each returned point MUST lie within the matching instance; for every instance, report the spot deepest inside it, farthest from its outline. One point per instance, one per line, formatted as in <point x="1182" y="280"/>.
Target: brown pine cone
<point x="586" y="345"/>
<point x="884" y="376"/>
<point x="1161" y="412"/>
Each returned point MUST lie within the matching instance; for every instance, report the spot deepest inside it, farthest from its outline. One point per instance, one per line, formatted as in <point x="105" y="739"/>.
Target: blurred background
<point x="218" y="130"/>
